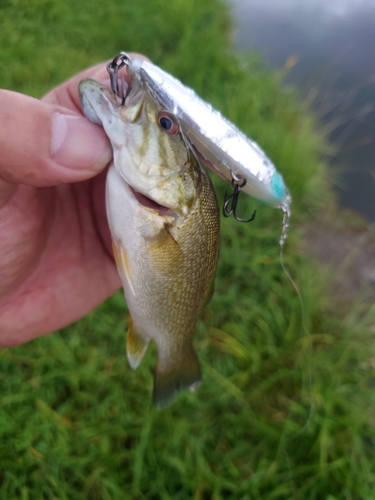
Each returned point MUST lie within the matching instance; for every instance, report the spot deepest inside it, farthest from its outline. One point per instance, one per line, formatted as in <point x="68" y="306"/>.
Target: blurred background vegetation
<point x="284" y="412"/>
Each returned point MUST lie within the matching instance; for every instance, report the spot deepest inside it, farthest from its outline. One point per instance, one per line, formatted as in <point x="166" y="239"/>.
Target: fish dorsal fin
<point x="136" y="345"/>
<point x="122" y="263"/>
<point x="176" y="376"/>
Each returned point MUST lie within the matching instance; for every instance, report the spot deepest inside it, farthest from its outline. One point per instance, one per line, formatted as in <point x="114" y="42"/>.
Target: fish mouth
<point x="98" y="101"/>
<point x="151" y="204"/>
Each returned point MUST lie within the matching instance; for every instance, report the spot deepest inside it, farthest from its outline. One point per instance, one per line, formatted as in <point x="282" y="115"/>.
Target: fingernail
<point x="79" y="144"/>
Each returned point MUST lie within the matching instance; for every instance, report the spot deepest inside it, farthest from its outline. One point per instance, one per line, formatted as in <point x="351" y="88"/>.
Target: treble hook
<point x="238" y="182"/>
<point x="113" y="68"/>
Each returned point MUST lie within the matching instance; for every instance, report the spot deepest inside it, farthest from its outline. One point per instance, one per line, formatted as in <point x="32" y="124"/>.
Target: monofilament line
<point x="285" y="224"/>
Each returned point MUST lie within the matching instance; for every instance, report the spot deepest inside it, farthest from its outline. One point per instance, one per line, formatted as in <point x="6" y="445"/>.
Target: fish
<point x="165" y="223"/>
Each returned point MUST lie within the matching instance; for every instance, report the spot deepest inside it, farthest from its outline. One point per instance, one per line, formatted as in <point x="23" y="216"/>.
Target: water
<point x="330" y="45"/>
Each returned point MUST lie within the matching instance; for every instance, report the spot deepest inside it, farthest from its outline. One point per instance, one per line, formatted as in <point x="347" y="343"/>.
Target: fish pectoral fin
<point x="165" y="252"/>
<point x="176" y="377"/>
<point x="122" y="263"/>
<point x="136" y="345"/>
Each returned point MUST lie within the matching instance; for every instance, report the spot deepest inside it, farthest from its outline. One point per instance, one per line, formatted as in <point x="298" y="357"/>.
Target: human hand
<point x="56" y="260"/>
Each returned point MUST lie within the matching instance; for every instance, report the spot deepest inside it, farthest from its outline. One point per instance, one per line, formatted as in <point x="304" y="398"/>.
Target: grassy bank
<point x="280" y="414"/>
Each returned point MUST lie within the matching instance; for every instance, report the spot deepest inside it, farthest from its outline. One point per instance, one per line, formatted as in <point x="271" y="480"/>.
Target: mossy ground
<point x="280" y="414"/>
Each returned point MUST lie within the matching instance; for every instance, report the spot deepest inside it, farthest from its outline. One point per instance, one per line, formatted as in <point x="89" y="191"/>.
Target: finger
<point x="49" y="142"/>
<point x="43" y="144"/>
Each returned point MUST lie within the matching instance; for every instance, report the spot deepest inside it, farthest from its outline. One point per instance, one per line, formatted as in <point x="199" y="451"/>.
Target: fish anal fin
<point x="122" y="263"/>
<point x="176" y="377"/>
<point x="136" y="345"/>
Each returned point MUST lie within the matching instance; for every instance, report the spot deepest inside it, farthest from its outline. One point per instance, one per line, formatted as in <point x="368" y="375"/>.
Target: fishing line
<point x="285" y="224"/>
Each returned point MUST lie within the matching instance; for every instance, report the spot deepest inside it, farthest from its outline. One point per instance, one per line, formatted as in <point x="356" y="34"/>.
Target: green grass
<point x="280" y="414"/>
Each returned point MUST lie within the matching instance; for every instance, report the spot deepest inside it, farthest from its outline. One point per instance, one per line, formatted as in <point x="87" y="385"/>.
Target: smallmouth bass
<point x="164" y="220"/>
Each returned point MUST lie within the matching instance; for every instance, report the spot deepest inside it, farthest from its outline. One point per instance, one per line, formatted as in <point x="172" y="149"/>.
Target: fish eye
<point x="168" y="122"/>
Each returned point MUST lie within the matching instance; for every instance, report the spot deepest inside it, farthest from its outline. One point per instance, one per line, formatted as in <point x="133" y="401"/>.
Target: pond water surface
<point x="330" y="45"/>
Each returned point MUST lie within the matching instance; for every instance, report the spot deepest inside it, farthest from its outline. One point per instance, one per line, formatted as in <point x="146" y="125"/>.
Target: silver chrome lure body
<point x="215" y="138"/>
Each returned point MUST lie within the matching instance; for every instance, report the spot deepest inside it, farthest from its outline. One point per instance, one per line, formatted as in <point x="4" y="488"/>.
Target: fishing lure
<point x="218" y="142"/>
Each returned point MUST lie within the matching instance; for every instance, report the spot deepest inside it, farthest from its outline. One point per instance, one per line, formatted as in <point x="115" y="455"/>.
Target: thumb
<point x="43" y="144"/>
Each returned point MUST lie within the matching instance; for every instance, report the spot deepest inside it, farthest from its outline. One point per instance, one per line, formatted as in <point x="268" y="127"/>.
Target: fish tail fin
<point x="176" y="377"/>
<point x="136" y="345"/>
